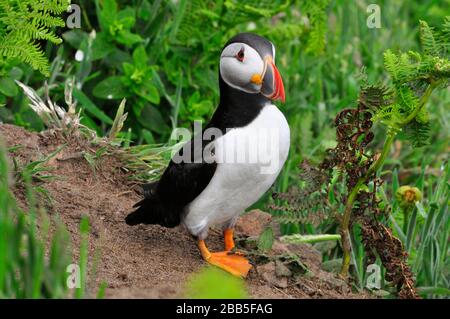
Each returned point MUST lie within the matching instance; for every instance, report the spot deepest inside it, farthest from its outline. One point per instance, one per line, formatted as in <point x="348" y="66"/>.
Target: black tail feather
<point x="135" y="217"/>
<point x="152" y="210"/>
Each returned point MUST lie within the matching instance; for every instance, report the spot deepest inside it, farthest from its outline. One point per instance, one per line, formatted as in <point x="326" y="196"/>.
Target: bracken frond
<point x="23" y="23"/>
<point x="25" y="52"/>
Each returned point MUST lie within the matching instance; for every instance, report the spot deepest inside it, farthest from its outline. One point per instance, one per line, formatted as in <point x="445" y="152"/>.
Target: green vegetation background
<point x="162" y="56"/>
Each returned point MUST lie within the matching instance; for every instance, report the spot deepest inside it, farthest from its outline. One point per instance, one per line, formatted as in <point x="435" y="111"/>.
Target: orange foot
<point x="229" y="242"/>
<point x="235" y="264"/>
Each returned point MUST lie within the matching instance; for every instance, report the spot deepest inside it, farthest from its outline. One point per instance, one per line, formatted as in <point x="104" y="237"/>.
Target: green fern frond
<point x="418" y="133"/>
<point x="413" y="74"/>
<point x="317" y="15"/>
<point x="283" y="31"/>
<point x="53" y="6"/>
<point x="239" y="11"/>
<point x="391" y="64"/>
<point x="197" y="12"/>
<point x="22" y="23"/>
<point x="386" y="114"/>
<point x="427" y="39"/>
<point x="37" y="33"/>
<point x="26" y="52"/>
<point x="375" y="97"/>
<point x="446" y="28"/>
<point x="47" y="20"/>
<point x="407" y="99"/>
<point x="423" y="117"/>
<point x="305" y="204"/>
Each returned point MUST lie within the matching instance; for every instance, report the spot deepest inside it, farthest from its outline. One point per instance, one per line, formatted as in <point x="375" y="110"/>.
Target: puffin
<point x="229" y="165"/>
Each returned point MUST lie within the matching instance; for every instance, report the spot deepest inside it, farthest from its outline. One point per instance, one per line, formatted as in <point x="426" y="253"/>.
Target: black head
<point x="247" y="67"/>
<point x="263" y="46"/>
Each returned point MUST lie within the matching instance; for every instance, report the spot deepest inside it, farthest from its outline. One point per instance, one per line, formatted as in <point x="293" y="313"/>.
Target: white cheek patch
<point x="238" y="74"/>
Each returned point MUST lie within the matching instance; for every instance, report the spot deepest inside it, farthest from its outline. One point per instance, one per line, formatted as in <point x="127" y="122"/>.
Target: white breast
<point x="249" y="160"/>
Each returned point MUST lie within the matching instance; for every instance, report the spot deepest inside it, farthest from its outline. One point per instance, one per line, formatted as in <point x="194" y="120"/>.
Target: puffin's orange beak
<point x="279" y="86"/>
<point x="272" y="83"/>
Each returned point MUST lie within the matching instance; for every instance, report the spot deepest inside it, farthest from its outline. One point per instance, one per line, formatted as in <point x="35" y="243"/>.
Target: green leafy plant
<point x="116" y="24"/>
<point x="38" y="172"/>
<point x="134" y="82"/>
<point x="402" y="105"/>
<point x="146" y="162"/>
<point x="83" y="259"/>
<point x="25" y="270"/>
<point x="25" y="28"/>
<point x="225" y="285"/>
<point x="23" y="24"/>
<point x="399" y="105"/>
<point x="423" y="225"/>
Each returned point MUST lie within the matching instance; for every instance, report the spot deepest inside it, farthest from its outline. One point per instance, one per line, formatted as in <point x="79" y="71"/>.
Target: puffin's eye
<point x="240" y="55"/>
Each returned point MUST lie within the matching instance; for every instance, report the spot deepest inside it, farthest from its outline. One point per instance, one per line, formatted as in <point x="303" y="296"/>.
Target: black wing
<point x="180" y="184"/>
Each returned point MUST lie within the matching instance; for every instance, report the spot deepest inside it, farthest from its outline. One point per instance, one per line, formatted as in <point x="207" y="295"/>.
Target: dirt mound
<point x="150" y="261"/>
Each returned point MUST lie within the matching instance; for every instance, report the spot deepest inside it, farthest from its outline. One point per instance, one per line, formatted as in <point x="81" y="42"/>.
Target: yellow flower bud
<point x="407" y="196"/>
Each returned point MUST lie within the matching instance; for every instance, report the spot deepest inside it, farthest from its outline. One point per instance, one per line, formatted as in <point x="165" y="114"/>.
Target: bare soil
<point x="151" y="261"/>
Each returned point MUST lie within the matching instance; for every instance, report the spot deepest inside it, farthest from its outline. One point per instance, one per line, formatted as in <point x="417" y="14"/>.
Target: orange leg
<point x="229" y="241"/>
<point x="236" y="265"/>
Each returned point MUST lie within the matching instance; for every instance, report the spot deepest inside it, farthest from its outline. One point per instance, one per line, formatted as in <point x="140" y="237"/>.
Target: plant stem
<point x="405" y="221"/>
<point x="391" y="134"/>
<point x="423" y="101"/>
<point x="297" y="238"/>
